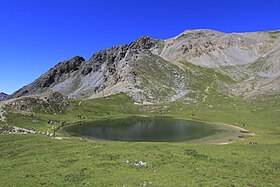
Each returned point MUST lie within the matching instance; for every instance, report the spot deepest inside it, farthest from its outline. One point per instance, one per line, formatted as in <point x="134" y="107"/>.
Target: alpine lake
<point x="153" y="129"/>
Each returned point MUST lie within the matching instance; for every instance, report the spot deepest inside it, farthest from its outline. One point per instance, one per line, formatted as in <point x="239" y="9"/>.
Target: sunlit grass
<point x="35" y="160"/>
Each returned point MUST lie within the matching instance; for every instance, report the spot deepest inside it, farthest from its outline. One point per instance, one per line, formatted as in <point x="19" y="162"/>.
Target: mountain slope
<point x="183" y="67"/>
<point x="3" y="96"/>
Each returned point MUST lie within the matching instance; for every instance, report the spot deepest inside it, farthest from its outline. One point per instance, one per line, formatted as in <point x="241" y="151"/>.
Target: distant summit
<point x="3" y="96"/>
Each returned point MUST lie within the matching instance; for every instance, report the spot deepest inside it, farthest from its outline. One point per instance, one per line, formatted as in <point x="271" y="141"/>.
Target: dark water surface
<point x="141" y="129"/>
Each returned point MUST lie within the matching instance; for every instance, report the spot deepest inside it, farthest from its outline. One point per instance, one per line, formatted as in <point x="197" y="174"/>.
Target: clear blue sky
<point x="37" y="34"/>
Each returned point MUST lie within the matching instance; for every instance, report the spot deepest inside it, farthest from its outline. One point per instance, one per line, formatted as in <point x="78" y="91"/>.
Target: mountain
<point x="187" y="67"/>
<point x="3" y="96"/>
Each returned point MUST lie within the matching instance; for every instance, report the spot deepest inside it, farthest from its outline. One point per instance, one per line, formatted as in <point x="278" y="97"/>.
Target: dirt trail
<point x="206" y="92"/>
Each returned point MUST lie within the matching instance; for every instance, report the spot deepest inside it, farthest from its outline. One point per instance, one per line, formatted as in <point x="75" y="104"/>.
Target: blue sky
<point x="37" y="34"/>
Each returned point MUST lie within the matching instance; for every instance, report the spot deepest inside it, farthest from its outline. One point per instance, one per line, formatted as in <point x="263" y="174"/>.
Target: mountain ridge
<point x="3" y="96"/>
<point x="154" y="70"/>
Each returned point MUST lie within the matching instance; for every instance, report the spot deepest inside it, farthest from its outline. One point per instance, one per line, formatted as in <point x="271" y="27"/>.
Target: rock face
<point x="151" y="70"/>
<point x="215" y="49"/>
<point x="56" y="74"/>
<point x="3" y="96"/>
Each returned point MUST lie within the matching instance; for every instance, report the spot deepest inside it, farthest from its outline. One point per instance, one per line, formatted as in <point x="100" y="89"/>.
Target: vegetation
<point x="36" y="160"/>
<point x="39" y="161"/>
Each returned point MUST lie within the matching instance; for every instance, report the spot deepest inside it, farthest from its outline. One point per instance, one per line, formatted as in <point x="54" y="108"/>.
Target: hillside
<point x="3" y="96"/>
<point x="156" y="71"/>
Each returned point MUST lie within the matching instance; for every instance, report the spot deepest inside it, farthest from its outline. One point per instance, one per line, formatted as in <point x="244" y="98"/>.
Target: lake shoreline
<point x="229" y="134"/>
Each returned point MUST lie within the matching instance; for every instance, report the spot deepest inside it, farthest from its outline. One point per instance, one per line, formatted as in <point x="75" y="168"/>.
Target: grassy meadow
<point x="36" y="160"/>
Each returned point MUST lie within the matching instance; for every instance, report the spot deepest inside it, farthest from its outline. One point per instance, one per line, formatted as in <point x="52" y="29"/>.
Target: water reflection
<point x="143" y="129"/>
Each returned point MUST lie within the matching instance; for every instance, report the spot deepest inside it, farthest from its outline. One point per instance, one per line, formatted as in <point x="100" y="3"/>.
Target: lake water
<point x="141" y="129"/>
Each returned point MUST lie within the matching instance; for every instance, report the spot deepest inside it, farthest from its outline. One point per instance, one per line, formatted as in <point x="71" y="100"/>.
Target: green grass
<point x="157" y="77"/>
<point x="202" y="77"/>
<point x="39" y="161"/>
<point x="35" y="160"/>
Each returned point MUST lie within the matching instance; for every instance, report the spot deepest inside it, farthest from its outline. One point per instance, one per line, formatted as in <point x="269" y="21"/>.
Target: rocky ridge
<point x="153" y="71"/>
<point x="3" y="96"/>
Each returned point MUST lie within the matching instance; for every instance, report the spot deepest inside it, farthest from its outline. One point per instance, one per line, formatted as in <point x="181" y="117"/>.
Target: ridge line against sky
<point x="36" y="35"/>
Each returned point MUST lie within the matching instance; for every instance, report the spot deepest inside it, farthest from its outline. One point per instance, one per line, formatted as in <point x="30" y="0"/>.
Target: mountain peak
<point x="201" y="30"/>
<point x="198" y="34"/>
<point x="144" y="42"/>
<point x="3" y="96"/>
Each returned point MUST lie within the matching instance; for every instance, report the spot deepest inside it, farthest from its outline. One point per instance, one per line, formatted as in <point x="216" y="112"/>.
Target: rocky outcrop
<point x="53" y="103"/>
<point x="51" y="77"/>
<point x="15" y="130"/>
<point x="59" y="70"/>
<point x="110" y="57"/>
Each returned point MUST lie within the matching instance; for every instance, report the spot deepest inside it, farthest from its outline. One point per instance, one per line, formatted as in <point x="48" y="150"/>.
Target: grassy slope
<point x="157" y="78"/>
<point x="34" y="160"/>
